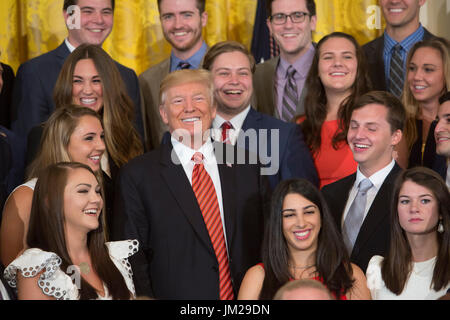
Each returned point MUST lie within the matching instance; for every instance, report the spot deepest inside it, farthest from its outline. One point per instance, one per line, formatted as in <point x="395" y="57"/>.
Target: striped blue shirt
<point x="406" y="45"/>
<point x="194" y="61"/>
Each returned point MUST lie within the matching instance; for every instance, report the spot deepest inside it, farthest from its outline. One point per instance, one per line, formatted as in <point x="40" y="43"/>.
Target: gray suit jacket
<point x="149" y="82"/>
<point x="264" y="93"/>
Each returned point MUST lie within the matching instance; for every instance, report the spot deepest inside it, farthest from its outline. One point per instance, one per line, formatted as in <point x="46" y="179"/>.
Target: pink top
<point x="331" y="164"/>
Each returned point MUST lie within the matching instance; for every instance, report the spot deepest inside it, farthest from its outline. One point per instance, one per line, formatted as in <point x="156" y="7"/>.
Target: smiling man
<point x="386" y="55"/>
<point x="182" y="22"/>
<point x="36" y="78"/>
<point x="279" y="145"/>
<point x="198" y="218"/>
<point x="359" y="202"/>
<point x="291" y="23"/>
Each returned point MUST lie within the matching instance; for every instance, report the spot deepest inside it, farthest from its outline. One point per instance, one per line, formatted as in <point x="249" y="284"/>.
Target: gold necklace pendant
<point x="85" y="268"/>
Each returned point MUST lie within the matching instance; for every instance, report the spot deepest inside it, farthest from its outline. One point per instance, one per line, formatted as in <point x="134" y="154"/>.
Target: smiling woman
<point x="301" y="241"/>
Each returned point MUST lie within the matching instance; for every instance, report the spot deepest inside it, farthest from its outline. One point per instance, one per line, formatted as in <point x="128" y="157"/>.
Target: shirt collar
<point x="237" y="121"/>
<point x="406" y="43"/>
<point x="185" y="153"/>
<point x="377" y="178"/>
<point x="69" y="46"/>
<point x="299" y="65"/>
<point x="195" y="60"/>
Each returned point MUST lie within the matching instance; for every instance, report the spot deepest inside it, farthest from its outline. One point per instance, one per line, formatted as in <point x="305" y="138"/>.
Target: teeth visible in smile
<point x="233" y="92"/>
<point x="88" y="101"/>
<point x="90" y="211"/>
<point x="96" y="30"/>
<point x="396" y="10"/>
<point x="338" y="74"/>
<point x="301" y="234"/>
<point x="289" y="35"/>
<point x="178" y="34"/>
<point x="191" y="120"/>
<point x="361" y="146"/>
<point x="419" y="87"/>
<point x="95" y="158"/>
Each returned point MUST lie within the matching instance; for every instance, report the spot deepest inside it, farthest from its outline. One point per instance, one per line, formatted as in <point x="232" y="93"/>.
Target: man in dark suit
<point x="279" y="145"/>
<point x="157" y="202"/>
<point x="403" y="30"/>
<point x="290" y="23"/>
<point x="362" y="213"/>
<point x="36" y="78"/>
<point x="442" y="136"/>
<point x="6" y="87"/>
<point x="182" y="23"/>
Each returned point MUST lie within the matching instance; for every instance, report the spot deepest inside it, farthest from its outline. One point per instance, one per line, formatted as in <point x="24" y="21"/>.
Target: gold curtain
<point x="29" y="28"/>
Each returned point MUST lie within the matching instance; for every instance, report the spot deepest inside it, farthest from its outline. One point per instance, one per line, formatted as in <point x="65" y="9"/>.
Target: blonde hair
<point x="412" y="106"/>
<point x="186" y="76"/>
<point x="56" y="137"/>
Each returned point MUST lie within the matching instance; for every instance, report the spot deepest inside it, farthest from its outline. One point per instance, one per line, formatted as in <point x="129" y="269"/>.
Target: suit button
<point x="215" y="268"/>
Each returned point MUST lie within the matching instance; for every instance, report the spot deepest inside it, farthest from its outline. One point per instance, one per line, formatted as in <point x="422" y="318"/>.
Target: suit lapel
<point x="178" y="184"/>
<point x="379" y="209"/>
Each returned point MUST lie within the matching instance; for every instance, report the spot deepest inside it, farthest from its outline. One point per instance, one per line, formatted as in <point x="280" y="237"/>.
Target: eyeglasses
<point x="296" y="17"/>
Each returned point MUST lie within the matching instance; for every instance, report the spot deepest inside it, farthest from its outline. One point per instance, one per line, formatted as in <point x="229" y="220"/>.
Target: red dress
<point x="341" y="297"/>
<point x="331" y="164"/>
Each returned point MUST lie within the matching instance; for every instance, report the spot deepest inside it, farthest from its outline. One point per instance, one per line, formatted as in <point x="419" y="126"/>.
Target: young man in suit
<point x="182" y="22"/>
<point x="279" y="145"/>
<point x="191" y="249"/>
<point x="36" y="78"/>
<point x="360" y="202"/>
<point x="291" y="23"/>
<point x="442" y="136"/>
<point x="386" y="55"/>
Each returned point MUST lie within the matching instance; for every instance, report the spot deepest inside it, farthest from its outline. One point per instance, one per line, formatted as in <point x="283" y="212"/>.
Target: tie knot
<point x="227" y="125"/>
<point x="397" y="47"/>
<point x="184" y="65"/>
<point x="365" y="185"/>
<point x="290" y="72"/>
<point x="197" y="158"/>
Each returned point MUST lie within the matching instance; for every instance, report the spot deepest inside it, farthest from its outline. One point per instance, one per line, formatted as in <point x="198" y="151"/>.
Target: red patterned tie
<point x="207" y="200"/>
<point x="226" y="126"/>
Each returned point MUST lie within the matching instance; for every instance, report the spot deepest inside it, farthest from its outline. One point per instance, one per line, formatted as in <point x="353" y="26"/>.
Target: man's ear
<point x="396" y="137"/>
<point x="163" y="114"/>
<point x="204" y="18"/>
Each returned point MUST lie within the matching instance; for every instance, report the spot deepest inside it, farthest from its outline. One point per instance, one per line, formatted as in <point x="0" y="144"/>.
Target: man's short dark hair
<point x="310" y="6"/>
<point x="200" y="5"/>
<point x="68" y="3"/>
<point x="445" y="97"/>
<point x="396" y="111"/>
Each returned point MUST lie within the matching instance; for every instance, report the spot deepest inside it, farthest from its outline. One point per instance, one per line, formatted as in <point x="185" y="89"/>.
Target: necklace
<point x="303" y="267"/>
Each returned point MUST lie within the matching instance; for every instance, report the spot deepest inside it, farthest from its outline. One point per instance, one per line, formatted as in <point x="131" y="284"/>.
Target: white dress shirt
<point x="237" y="122"/>
<point x="69" y="45"/>
<point x="185" y="154"/>
<point x="377" y="180"/>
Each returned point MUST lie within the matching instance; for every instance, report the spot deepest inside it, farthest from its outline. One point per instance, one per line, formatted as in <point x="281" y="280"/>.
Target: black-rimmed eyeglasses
<point x="281" y="18"/>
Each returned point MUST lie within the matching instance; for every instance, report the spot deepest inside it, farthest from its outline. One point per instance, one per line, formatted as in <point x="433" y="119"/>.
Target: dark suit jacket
<point x="374" y="235"/>
<point x="6" y="96"/>
<point x="294" y="158"/>
<point x="33" y="90"/>
<point x="374" y="54"/>
<point x="155" y="204"/>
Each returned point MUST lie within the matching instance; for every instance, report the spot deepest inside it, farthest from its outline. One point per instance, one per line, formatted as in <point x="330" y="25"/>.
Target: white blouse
<point x="56" y="283"/>
<point x="417" y="287"/>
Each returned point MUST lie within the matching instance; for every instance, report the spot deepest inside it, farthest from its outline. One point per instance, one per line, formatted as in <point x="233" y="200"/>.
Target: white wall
<point x="435" y="16"/>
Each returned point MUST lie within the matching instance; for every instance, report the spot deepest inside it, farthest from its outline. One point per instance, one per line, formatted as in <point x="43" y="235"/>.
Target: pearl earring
<point x="440" y="228"/>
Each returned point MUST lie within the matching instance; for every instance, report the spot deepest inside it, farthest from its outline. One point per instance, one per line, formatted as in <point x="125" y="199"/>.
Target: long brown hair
<point x="121" y="138"/>
<point x="332" y="261"/>
<point x="397" y="265"/>
<point x="412" y="106"/>
<point x="316" y="98"/>
<point x="46" y="231"/>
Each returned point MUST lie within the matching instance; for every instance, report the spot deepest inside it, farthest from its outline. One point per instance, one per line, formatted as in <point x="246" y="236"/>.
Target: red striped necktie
<point x="205" y="193"/>
<point x="226" y="126"/>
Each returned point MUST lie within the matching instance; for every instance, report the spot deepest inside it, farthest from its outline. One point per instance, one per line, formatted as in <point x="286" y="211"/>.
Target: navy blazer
<point x="6" y="96"/>
<point x="374" y="236"/>
<point x="294" y="157"/>
<point x="155" y="204"/>
<point x="374" y="54"/>
<point x="33" y="90"/>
